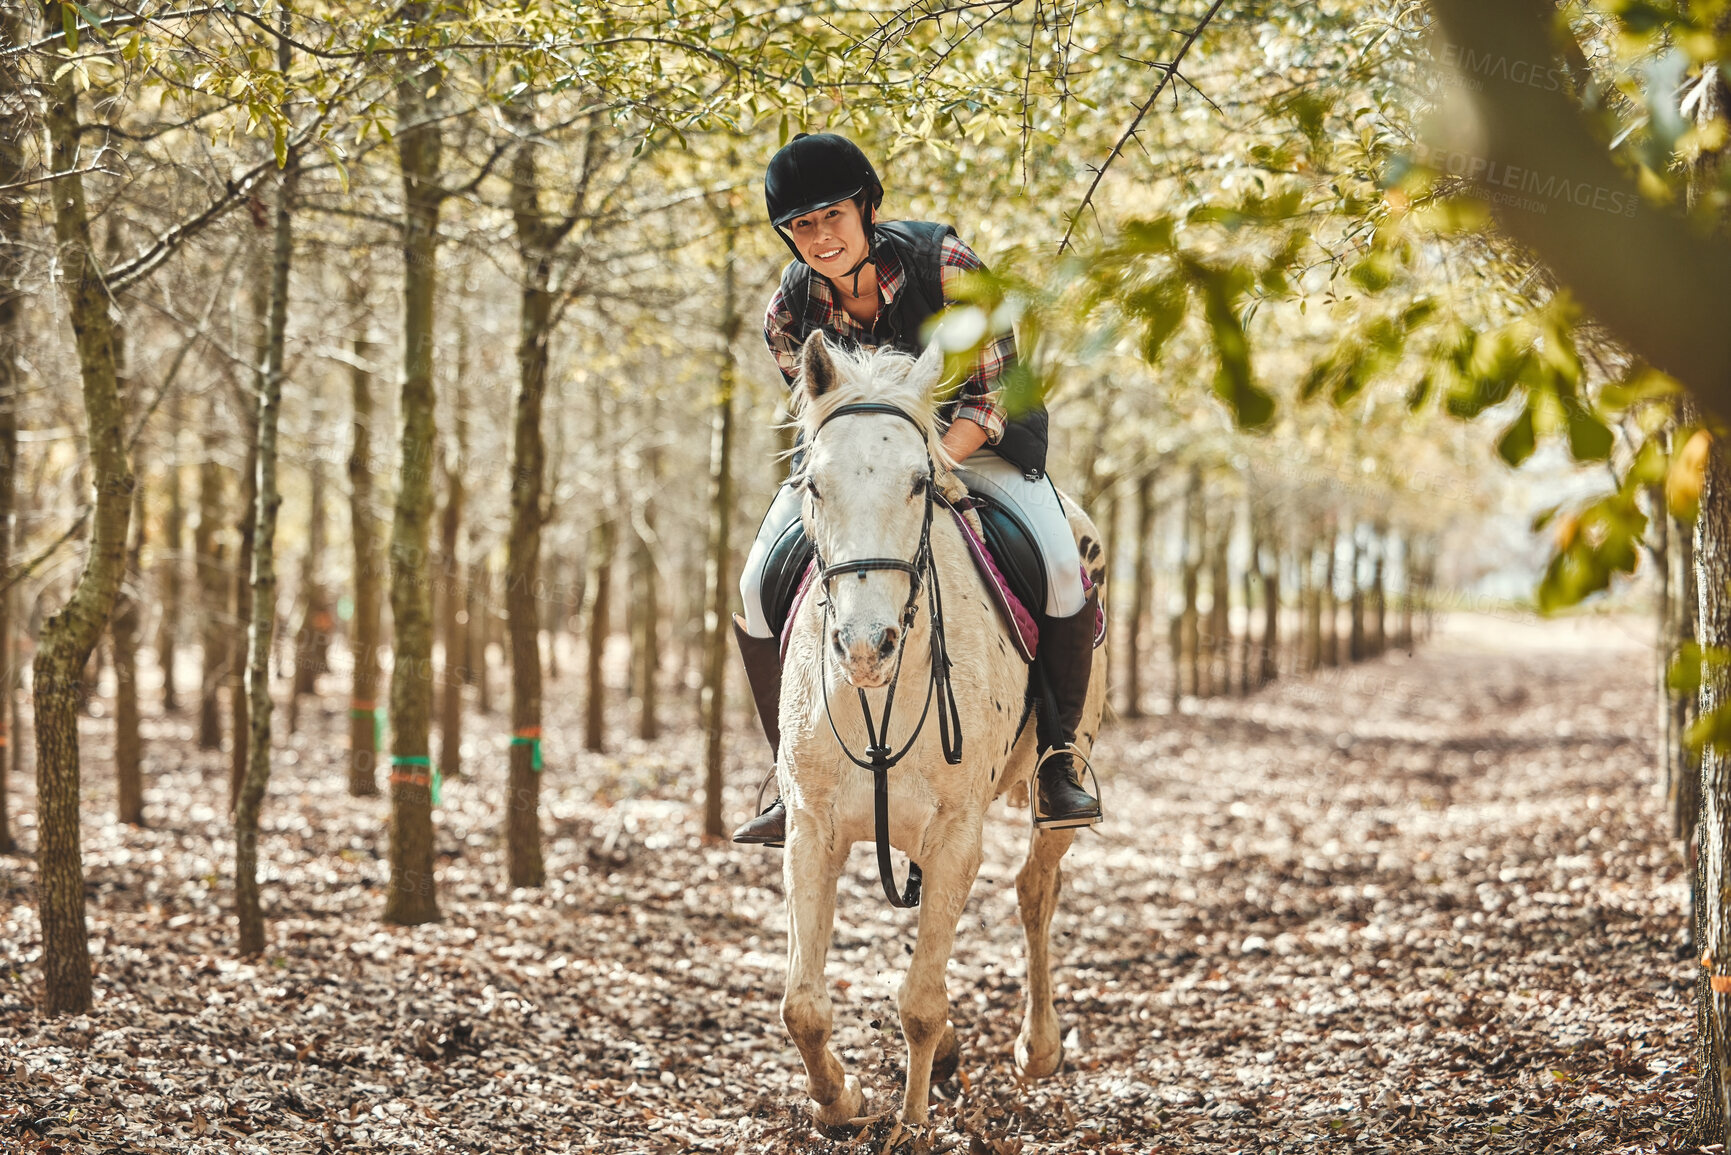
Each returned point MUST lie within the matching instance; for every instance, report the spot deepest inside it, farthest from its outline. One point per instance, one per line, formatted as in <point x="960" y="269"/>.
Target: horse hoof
<point x="1030" y="1066"/>
<point x="845" y="1108"/>
<point x="948" y="1057"/>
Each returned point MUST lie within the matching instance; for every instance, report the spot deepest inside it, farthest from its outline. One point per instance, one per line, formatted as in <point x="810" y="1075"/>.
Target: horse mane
<point x="881" y="375"/>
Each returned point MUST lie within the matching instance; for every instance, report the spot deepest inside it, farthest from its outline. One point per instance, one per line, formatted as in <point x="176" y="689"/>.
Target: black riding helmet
<point x="817" y="169"/>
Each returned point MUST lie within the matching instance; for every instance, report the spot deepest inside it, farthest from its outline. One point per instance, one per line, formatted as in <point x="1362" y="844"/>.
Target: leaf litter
<point x="1423" y="904"/>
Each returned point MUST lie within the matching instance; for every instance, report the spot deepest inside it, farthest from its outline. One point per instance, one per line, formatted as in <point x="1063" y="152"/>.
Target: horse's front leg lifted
<point x="809" y="872"/>
<point x="924" y="1002"/>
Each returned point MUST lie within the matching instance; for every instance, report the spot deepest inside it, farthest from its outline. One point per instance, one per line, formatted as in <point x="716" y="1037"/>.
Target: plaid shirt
<point x="978" y="394"/>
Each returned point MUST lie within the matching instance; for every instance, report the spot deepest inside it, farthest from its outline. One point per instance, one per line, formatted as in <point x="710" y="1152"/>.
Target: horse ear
<point x="816" y="369"/>
<point x="928" y="372"/>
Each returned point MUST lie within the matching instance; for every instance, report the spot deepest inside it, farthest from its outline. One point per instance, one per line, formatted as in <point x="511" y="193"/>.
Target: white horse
<point x="864" y="498"/>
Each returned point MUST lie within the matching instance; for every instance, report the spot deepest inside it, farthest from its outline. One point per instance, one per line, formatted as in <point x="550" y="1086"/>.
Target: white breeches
<point x="984" y="473"/>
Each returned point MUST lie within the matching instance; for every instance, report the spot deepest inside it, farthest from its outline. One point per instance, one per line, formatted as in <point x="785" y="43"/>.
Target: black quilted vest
<point x="918" y="247"/>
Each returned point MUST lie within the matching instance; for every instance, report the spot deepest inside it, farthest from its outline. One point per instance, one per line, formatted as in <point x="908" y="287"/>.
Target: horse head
<point x="867" y="494"/>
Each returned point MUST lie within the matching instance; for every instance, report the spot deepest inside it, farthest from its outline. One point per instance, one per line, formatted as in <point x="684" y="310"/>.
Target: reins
<point x="879" y="759"/>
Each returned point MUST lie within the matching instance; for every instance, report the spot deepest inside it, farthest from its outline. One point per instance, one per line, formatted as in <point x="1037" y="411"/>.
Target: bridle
<point x="878" y="756"/>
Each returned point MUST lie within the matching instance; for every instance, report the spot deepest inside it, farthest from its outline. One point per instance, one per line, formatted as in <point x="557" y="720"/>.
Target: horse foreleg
<point x="1039" y="1048"/>
<point x="810" y="870"/>
<point x="924" y="1000"/>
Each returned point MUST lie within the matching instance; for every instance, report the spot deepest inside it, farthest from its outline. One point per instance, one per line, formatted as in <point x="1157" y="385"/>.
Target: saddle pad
<point x="1023" y="629"/>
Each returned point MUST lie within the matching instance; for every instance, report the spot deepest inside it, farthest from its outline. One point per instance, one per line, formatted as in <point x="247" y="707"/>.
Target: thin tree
<point x="1141" y="588"/>
<point x="412" y="898"/>
<point x="215" y="595"/>
<point x="451" y="627"/>
<point x="169" y="564"/>
<point x="17" y="119"/>
<point x="69" y="636"/>
<point x="716" y="567"/>
<point x="312" y="636"/>
<point x="538" y="238"/>
<point x="363" y="532"/>
<point x="124" y="629"/>
<point x="260" y="629"/>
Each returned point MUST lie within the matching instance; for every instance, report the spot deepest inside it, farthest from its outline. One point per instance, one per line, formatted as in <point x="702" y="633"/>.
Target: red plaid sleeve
<point x="979" y="390"/>
<point x="778" y="335"/>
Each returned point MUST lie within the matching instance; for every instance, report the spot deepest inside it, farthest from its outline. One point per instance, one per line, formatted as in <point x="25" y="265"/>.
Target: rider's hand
<point x="963" y="437"/>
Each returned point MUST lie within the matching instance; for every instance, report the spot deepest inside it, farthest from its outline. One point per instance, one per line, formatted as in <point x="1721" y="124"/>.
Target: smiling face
<point x="831" y="239"/>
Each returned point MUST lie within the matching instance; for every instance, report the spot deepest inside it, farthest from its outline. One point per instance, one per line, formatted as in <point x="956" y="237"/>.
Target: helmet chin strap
<point x="869" y="259"/>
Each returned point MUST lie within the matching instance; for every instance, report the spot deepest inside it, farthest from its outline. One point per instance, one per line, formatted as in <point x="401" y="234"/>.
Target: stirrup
<point x="1034" y="794"/>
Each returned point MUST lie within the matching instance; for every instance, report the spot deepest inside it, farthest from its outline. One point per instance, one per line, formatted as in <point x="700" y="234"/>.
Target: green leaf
<point x="90" y="18"/>
<point x="1589" y="438"/>
<point x="1374" y="273"/>
<point x="1518" y="440"/>
<point x="1711" y="731"/>
<point x="1684" y="674"/>
<point x="1160" y="307"/>
<point x="69" y="24"/>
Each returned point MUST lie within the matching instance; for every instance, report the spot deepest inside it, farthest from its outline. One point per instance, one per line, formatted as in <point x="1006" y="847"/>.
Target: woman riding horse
<point x="874" y="284"/>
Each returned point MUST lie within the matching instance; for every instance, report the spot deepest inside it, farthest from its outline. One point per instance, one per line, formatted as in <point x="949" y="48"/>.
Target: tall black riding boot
<point x="1066" y="661"/>
<point x="762" y="658"/>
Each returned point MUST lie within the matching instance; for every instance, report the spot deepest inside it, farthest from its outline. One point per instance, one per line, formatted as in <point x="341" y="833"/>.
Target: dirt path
<point x="1428" y="905"/>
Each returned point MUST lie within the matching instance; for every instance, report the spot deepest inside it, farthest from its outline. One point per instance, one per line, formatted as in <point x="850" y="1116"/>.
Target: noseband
<point x="878" y="757"/>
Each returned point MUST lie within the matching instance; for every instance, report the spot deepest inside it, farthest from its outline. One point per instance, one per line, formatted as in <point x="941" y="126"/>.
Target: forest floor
<point x="1422" y="904"/>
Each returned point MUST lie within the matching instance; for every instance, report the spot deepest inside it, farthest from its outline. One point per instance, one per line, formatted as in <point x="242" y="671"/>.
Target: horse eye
<point x="920" y="484"/>
<point x="811" y="488"/>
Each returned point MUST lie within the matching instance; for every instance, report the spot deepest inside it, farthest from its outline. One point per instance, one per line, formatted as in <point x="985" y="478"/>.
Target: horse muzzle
<point x="866" y="655"/>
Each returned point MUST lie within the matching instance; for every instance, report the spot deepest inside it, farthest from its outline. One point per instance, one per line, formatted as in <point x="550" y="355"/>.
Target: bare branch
<point x="1169" y="70"/>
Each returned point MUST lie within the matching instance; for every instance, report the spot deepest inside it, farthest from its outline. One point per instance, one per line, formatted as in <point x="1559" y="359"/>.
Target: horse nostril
<point x="835" y="640"/>
<point x="887" y="641"/>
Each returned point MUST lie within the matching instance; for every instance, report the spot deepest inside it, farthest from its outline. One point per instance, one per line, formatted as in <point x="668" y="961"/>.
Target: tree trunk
<point x="716" y="569"/>
<point x="239" y="705"/>
<point x="169" y="566"/>
<point x="1378" y="627"/>
<point x="365" y="634"/>
<point x="1247" y="583"/>
<point x="481" y="633"/>
<point x="646" y="602"/>
<point x="1713" y="855"/>
<point x="69" y="635"/>
<point x="250" y="797"/>
<point x="1111" y="522"/>
<point x="412" y="898"/>
<point x="1310" y="604"/>
<point x="524" y="863"/>
<point x="1358" y="643"/>
<point x="16" y="125"/>
<point x="1330" y="603"/>
<point x="451" y="603"/>
<point x="1142" y="581"/>
<point x="1408" y="593"/>
<point x="1220" y="612"/>
<point x="602" y="542"/>
<point x="215" y="592"/>
<point x="1190" y="621"/>
<point x="312" y="640"/>
<point x="1270" y="648"/>
<point x="124" y="628"/>
<point x="1685" y="787"/>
